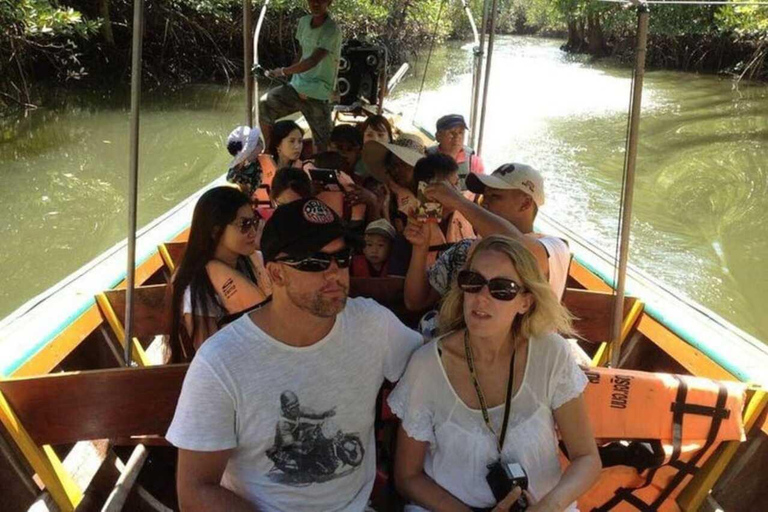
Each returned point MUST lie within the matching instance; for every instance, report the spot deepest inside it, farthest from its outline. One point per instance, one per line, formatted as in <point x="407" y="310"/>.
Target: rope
<point x="429" y="57"/>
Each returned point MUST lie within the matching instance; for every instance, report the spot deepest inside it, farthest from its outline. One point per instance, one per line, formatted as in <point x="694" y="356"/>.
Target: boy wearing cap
<point x="277" y="409"/>
<point x="512" y="196"/>
<point x="313" y="77"/>
<point x="450" y="133"/>
<point x="378" y="242"/>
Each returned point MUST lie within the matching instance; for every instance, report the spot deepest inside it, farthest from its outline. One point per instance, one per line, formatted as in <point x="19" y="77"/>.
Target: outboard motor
<point x="360" y="69"/>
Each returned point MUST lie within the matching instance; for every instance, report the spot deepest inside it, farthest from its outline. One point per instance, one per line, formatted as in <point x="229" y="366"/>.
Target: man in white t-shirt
<point x="277" y="409"/>
<point x="512" y="196"/>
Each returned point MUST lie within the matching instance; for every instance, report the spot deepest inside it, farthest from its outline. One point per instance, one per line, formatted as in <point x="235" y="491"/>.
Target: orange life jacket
<point x="684" y="418"/>
<point x="236" y="291"/>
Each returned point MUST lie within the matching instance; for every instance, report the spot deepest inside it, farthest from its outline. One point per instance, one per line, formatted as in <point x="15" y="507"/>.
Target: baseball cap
<point x="300" y="228"/>
<point x="451" y="120"/>
<point x="510" y="176"/>
<point x="408" y="147"/>
<point x="381" y="227"/>
<point x="251" y="143"/>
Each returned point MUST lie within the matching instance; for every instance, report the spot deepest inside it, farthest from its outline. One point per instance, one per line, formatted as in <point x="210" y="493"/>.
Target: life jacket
<point x="268" y="170"/>
<point x="361" y="268"/>
<point x="673" y="424"/>
<point x="335" y="200"/>
<point x="458" y="229"/>
<point x="237" y="291"/>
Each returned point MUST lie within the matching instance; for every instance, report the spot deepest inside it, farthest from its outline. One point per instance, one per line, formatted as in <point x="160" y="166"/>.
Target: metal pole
<point x="248" y="61"/>
<point x="629" y="185"/>
<point x="256" y="35"/>
<point x="476" y="77"/>
<point x="133" y="176"/>
<point x="491" y="37"/>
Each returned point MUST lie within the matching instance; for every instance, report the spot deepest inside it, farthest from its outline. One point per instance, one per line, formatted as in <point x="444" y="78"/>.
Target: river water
<point x="701" y="199"/>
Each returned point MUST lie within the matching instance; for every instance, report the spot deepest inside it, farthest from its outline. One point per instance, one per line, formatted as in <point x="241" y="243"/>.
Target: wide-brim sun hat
<point x="408" y="148"/>
<point x="253" y="145"/>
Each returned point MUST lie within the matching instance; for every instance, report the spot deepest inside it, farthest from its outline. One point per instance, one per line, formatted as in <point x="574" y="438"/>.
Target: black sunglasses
<point x="499" y="287"/>
<point x="246" y="224"/>
<point x="319" y="261"/>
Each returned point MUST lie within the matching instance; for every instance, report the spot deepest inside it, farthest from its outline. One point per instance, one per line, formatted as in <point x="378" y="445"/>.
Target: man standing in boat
<point x="276" y="412"/>
<point x="313" y="77"/>
<point x="451" y="131"/>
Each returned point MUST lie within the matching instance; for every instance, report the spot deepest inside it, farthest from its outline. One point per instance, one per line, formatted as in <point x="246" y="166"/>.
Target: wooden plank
<point x="43" y="459"/>
<point x="592" y="310"/>
<point x="688" y="356"/>
<point x="586" y="278"/>
<point x="78" y="406"/>
<point x="151" y="309"/>
<point x="172" y="254"/>
<point x="54" y="352"/>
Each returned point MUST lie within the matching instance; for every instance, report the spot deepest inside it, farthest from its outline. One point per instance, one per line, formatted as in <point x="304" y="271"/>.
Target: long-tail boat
<point x="85" y="400"/>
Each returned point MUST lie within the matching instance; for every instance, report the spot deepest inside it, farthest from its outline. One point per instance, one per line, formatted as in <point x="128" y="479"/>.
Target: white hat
<point x="510" y="176"/>
<point x="408" y="147"/>
<point x="381" y="227"/>
<point x="251" y="140"/>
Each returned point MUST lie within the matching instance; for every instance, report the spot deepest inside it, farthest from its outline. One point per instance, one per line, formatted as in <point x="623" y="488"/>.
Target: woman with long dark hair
<point x="286" y="144"/>
<point x="221" y="273"/>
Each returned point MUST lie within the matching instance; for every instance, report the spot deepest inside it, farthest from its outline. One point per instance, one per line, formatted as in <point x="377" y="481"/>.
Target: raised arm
<point x="576" y="431"/>
<point x="418" y="294"/>
<point x="485" y="222"/>
<point x="198" y="483"/>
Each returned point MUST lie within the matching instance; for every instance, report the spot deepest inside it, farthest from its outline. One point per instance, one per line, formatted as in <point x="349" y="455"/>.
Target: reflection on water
<point x="701" y="197"/>
<point x="701" y="202"/>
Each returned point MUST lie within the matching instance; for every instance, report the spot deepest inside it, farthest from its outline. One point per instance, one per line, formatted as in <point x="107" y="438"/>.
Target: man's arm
<point x="198" y="483"/>
<point x="304" y="65"/>
<point x="487" y="223"/>
<point x="418" y="294"/>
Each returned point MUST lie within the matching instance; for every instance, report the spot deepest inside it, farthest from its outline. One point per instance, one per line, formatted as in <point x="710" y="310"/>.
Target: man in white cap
<point x="512" y="196"/>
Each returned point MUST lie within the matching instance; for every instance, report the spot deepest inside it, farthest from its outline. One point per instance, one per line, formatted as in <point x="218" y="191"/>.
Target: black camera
<point x="502" y="477"/>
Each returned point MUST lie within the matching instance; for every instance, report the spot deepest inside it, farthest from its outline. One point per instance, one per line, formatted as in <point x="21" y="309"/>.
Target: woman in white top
<point x="501" y="318"/>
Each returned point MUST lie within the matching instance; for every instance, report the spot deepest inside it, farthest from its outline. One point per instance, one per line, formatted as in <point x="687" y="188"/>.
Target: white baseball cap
<point x="381" y="227"/>
<point x="251" y="141"/>
<point x="508" y="177"/>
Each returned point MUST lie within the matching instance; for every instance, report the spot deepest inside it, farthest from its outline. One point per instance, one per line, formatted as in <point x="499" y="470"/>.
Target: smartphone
<point x="428" y="210"/>
<point x="329" y="178"/>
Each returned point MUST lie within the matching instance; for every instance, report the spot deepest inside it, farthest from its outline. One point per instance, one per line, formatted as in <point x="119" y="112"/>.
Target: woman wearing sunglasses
<point x="221" y="272"/>
<point x="493" y="390"/>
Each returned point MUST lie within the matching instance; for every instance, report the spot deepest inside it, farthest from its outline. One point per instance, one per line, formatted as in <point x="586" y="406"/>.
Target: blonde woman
<point x="500" y="357"/>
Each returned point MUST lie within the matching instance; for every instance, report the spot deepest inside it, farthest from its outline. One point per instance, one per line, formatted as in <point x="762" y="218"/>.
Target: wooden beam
<point x="100" y="404"/>
<point x="692" y="359"/>
<point x="586" y="278"/>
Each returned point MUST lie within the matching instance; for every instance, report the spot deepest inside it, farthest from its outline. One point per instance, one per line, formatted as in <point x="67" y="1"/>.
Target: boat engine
<point x="360" y="69"/>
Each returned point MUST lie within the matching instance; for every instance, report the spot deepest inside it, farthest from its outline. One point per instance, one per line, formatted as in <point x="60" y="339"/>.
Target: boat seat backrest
<point x="151" y="309"/>
<point x="593" y="312"/>
<point x="101" y="404"/>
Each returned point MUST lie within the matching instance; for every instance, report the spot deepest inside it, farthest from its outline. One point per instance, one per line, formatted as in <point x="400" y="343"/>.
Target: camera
<point x="502" y="477"/>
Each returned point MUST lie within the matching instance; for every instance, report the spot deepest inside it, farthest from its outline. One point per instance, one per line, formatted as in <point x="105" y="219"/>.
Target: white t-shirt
<point x="300" y="420"/>
<point x="460" y="444"/>
<point x="559" y="262"/>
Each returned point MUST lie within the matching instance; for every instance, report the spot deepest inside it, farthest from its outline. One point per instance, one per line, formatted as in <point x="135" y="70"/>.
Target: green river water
<point x="701" y="201"/>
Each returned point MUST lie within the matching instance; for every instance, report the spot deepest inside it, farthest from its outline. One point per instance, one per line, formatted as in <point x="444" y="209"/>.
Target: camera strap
<point x="481" y="398"/>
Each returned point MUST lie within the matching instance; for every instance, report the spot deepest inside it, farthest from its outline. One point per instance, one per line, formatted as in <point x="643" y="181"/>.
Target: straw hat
<point x="408" y="148"/>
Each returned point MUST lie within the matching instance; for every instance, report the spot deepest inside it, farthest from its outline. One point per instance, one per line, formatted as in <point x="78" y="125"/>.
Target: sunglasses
<point x="246" y="224"/>
<point x="320" y="261"/>
<point x="499" y="287"/>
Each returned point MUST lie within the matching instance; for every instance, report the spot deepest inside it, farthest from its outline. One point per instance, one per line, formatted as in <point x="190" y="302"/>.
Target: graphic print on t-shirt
<point x="309" y="448"/>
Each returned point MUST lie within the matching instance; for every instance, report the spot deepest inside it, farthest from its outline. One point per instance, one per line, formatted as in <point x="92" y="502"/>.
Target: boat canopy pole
<point x="248" y="49"/>
<point x="133" y="170"/>
<point x="487" y="82"/>
<point x="477" y="70"/>
<point x="475" y="50"/>
<point x="629" y="179"/>
<point x="256" y="35"/>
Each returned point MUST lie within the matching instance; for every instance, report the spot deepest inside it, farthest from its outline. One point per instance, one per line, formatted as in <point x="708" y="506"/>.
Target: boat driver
<point x="450" y="132"/>
<point x="309" y="356"/>
<point x="313" y="77"/>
